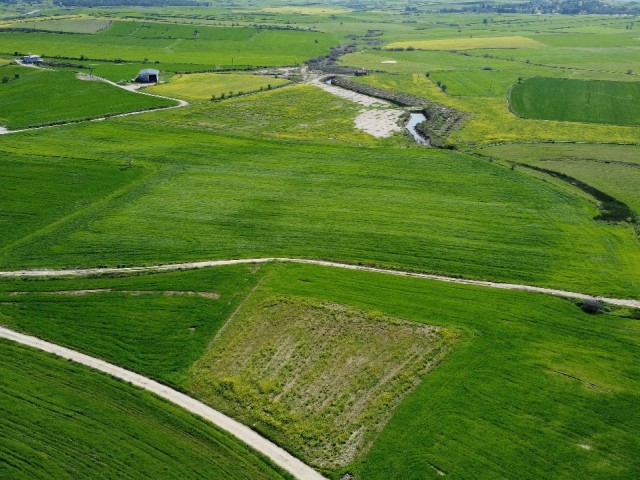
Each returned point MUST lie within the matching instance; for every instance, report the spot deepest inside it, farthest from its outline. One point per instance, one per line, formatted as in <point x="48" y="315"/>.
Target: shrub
<point x="591" y="306"/>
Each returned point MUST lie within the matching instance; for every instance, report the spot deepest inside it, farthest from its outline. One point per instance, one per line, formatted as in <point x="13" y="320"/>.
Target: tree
<point x="5" y="79"/>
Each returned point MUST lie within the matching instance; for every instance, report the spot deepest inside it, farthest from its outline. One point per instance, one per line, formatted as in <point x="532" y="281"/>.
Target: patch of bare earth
<point x="211" y="295"/>
<point x="379" y="123"/>
<point x="321" y="379"/>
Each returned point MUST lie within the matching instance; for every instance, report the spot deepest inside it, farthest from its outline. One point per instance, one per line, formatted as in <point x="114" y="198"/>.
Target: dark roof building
<point x="148" y="75"/>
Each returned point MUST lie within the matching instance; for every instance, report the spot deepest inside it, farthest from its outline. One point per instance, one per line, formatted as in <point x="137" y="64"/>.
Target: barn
<point x="31" y="59"/>
<point x="148" y="75"/>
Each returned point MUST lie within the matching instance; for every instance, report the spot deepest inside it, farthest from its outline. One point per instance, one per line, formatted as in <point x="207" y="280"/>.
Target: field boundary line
<point x="623" y="302"/>
<point x="277" y="455"/>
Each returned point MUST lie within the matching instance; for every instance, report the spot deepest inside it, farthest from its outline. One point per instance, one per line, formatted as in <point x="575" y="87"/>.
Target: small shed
<point x="148" y="75"/>
<point x="31" y="59"/>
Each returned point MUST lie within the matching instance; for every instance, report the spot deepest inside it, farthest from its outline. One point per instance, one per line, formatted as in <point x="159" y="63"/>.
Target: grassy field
<point x="491" y="121"/>
<point x="171" y="43"/>
<point x="35" y="97"/>
<point x="614" y="169"/>
<point x="578" y="101"/>
<point x="301" y="113"/>
<point x="64" y="421"/>
<point x="66" y="25"/>
<point x="530" y="376"/>
<point x="469" y="43"/>
<point x="156" y="325"/>
<point x="358" y="205"/>
<point x="321" y="378"/>
<point x="201" y="86"/>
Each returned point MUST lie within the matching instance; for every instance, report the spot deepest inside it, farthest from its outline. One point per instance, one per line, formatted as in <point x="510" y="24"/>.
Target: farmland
<point x="531" y="178"/>
<point x="32" y="98"/>
<point x="531" y="347"/>
<point x="578" y="101"/>
<point x="56" y="416"/>
<point x="202" y="86"/>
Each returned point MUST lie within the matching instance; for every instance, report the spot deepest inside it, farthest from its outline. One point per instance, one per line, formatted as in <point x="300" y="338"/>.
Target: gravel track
<point x="276" y="454"/>
<point x="214" y="263"/>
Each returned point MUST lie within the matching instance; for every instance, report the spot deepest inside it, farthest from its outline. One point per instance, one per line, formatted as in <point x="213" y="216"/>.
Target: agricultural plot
<point x="578" y="101"/>
<point x="61" y="420"/>
<point x="322" y="378"/>
<point x="296" y="113"/>
<point x="550" y="387"/>
<point x="492" y="122"/>
<point x="63" y="25"/>
<point x="612" y="169"/>
<point x="155" y="325"/>
<point x="202" y="86"/>
<point x="35" y="97"/>
<point x="469" y="43"/>
<point x="216" y="47"/>
<point x="359" y="205"/>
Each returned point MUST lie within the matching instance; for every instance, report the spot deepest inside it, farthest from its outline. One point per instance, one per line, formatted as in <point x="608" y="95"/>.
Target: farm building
<point x="31" y="59"/>
<point x="148" y="75"/>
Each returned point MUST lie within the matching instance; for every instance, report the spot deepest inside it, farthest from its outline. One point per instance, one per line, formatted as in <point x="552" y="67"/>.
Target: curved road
<point x="276" y="454"/>
<point x="214" y="263"/>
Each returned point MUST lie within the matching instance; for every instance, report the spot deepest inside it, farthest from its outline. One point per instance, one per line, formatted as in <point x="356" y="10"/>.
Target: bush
<point x="591" y="306"/>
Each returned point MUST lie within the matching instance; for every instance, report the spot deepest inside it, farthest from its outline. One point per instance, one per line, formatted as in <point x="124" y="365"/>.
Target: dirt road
<point x="214" y="263"/>
<point x="276" y="454"/>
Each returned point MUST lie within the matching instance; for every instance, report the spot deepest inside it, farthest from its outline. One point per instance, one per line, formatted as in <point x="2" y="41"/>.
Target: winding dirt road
<point x="214" y="263"/>
<point x="276" y="454"/>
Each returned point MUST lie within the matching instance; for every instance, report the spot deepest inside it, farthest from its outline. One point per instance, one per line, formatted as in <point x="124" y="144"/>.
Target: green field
<point x="201" y="86"/>
<point x="170" y="43"/>
<point x="313" y="373"/>
<point x="61" y="420"/>
<point x="567" y="382"/>
<point x="358" y="205"/>
<point x="612" y="169"/>
<point x="362" y="375"/>
<point x="34" y="97"/>
<point x="578" y="101"/>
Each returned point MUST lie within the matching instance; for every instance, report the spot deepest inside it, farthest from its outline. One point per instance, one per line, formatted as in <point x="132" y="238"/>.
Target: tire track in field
<point x="277" y="455"/>
<point x="623" y="302"/>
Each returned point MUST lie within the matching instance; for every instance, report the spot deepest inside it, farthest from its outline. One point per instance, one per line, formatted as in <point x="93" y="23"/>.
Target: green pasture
<point x="301" y="113"/>
<point x="63" y="25"/>
<point x="578" y="101"/>
<point x="226" y="196"/>
<point x="34" y="97"/>
<point x="311" y="374"/>
<point x="64" y="421"/>
<point x="155" y="325"/>
<point x="613" y="169"/>
<point x="532" y="386"/>
<point x="170" y="43"/>
<point x="201" y="86"/>
<point x="491" y="121"/>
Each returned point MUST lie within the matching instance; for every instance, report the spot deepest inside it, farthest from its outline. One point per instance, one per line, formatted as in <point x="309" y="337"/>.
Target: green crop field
<point x="201" y="86"/>
<point x="34" y="97"/>
<point x="269" y="366"/>
<point x="614" y="170"/>
<point x="358" y="205"/>
<point x="567" y="382"/>
<point x="578" y="101"/>
<point x="214" y="46"/>
<point x="531" y="178"/>
<point x="60" y="420"/>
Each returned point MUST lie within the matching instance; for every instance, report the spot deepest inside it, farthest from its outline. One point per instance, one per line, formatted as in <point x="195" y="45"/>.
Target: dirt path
<point x="380" y="118"/>
<point x="83" y="76"/>
<point x="276" y="454"/>
<point x="215" y="263"/>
